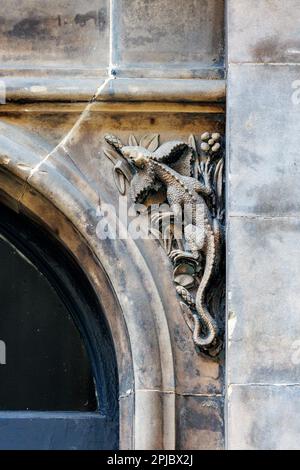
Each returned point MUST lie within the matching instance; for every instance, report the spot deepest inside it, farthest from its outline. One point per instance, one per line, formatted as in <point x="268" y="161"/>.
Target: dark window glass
<point x="47" y="367"/>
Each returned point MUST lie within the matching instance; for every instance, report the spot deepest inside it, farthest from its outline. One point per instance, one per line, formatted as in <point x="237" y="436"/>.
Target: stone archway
<point x="53" y="192"/>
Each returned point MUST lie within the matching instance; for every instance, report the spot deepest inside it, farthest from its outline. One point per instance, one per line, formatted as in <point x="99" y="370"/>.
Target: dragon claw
<point x="177" y="255"/>
<point x="156" y="218"/>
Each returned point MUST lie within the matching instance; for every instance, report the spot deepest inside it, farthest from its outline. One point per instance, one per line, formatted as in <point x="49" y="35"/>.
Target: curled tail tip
<point x="193" y="321"/>
<point x="211" y="335"/>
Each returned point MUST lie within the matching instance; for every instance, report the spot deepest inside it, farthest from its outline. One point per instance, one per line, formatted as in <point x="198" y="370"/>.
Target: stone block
<point x="168" y="35"/>
<point x="264" y="418"/>
<point x="269" y="32"/>
<point x="54" y="34"/>
<point x="200" y="423"/>
<point x="263" y="140"/>
<point x="264" y="300"/>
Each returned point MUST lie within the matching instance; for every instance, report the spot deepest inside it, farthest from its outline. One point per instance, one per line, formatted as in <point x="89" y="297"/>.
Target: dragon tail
<point x="203" y="317"/>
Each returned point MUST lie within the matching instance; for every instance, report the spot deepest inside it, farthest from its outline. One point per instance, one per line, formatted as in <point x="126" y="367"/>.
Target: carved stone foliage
<point x="187" y="178"/>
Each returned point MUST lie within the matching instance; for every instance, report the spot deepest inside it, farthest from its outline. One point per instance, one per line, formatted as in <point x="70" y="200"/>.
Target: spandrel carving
<point x="189" y="177"/>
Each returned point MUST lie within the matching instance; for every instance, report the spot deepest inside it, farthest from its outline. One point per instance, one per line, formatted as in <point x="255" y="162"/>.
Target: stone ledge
<point x="55" y="88"/>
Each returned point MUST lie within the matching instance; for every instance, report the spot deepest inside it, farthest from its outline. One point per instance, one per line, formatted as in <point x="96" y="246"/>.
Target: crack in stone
<point x="172" y="392"/>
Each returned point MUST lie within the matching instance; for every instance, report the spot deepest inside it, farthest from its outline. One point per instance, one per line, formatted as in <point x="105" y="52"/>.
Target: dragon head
<point x="177" y="154"/>
<point x="137" y="155"/>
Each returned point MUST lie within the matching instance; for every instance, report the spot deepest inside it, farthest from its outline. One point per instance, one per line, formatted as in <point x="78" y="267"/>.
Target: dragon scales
<point x="189" y="179"/>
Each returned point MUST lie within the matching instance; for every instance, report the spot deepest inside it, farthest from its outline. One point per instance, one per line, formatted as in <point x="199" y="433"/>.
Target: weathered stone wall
<point x="159" y="66"/>
<point x="152" y="67"/>
<point x="263" y="224"/>
<point x="148" y="37"/>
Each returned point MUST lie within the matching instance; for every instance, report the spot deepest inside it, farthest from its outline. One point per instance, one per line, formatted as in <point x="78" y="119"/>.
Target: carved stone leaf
<point x="183" y="275"/>
<point x="192" y="142"/>
<point x="120" y="180"/>
<point x="132" y="141"/>
<point x="121" y="174"/>
<point x="111" y="154"/>
<point x="218" y="179"/>
<point x="184" y="280"/>
<point x="150" y="142"/>
<point x="123" y="167"/>
<point x="168" y="239"/>
<point x="184" y="268"/>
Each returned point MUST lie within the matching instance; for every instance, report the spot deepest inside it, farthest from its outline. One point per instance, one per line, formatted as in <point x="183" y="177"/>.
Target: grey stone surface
<point x="269" y="32"/>
<point x="76" y="179"/>
<point x="264" y="417"/>
<point x="126" y="404"/>
<point x="46" y="46"/>
<point x="263" y="139"/>
<point x="200" y="423"/>
<point x="56" y="88"/>
<point x="263" y="203"/>
<point x="59" y="33"/>
<point x="264" y="300"/>
<point x="168" y="35"/>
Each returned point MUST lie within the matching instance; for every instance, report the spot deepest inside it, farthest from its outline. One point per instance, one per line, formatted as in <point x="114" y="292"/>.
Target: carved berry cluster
<point x="210" y="142"/>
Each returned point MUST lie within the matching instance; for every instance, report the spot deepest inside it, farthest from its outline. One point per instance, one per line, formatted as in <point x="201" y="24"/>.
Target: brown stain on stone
<point x="272" y="50"/>
<point x="99" y="18"/>
<point x="46" y="28"/>
<point x="31" y="28"/>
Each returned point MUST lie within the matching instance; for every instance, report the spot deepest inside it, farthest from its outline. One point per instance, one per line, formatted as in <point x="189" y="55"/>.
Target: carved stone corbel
<point x="191" y="182"/>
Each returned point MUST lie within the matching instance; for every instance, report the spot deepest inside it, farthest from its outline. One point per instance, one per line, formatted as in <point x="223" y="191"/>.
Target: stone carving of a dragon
<point x="188" y="184"/>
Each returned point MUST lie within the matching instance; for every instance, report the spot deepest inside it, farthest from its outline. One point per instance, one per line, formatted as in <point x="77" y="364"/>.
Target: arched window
<point x="58" y="373"/>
